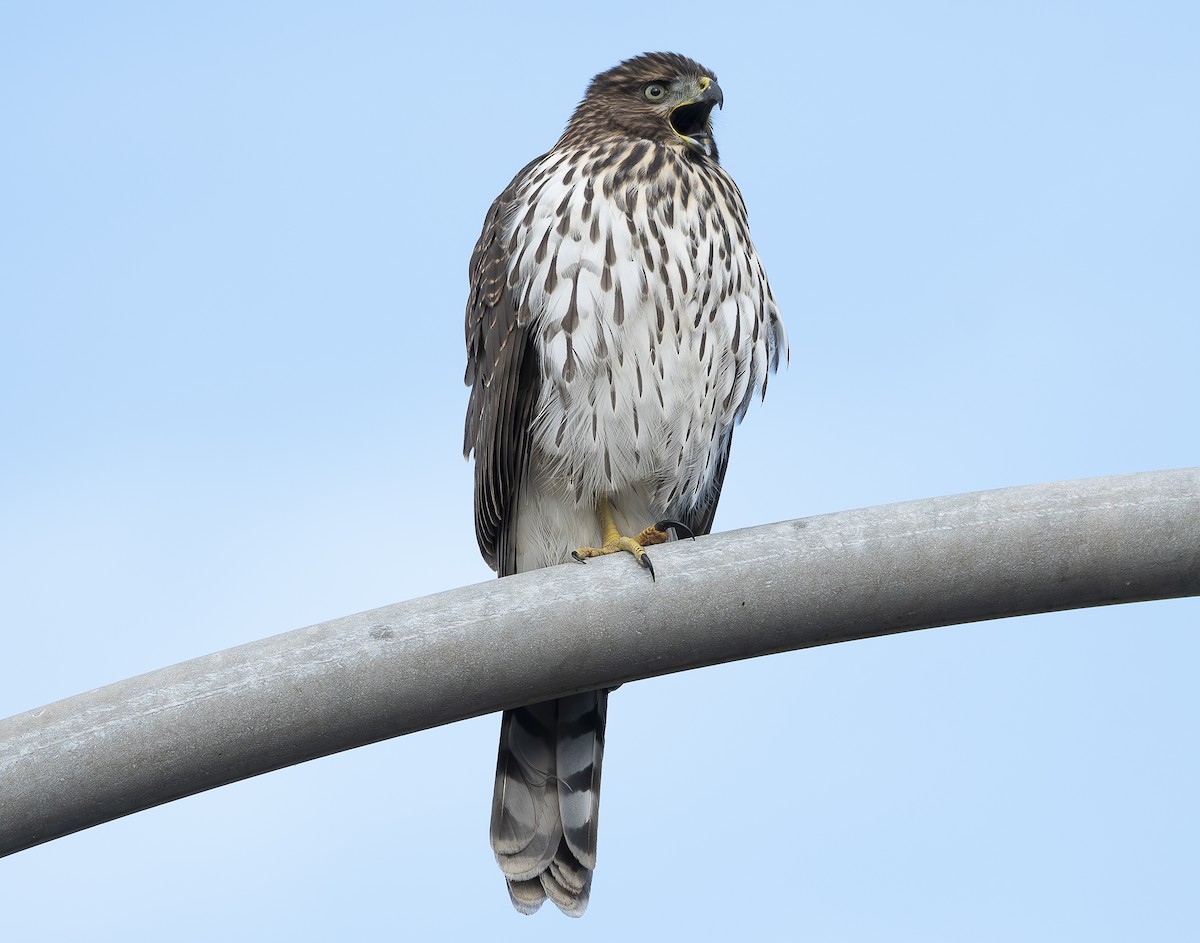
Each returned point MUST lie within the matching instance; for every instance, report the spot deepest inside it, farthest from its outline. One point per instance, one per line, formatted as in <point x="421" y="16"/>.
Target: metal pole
<point x="342" y="684"/>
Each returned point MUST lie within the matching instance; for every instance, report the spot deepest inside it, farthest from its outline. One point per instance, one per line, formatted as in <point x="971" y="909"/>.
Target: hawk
<point x="618" y="325"/>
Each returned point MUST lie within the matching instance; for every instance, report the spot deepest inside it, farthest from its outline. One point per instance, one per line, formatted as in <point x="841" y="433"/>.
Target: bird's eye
<point x="655" y="92"/>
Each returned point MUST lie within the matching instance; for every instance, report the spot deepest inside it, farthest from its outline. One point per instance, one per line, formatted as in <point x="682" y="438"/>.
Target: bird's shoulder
<point x="489" y="258"/>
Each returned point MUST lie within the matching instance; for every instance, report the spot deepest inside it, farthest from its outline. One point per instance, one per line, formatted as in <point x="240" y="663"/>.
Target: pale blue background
<point x="233" y="248"/>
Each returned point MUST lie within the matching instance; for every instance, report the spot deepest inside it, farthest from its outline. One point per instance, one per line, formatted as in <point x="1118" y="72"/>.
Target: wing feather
<point x="501" y="365"/>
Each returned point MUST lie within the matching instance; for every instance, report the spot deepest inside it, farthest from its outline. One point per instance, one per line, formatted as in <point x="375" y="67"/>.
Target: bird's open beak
<point x="690" y="120"/>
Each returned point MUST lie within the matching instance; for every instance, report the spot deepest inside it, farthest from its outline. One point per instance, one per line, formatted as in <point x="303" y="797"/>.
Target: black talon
<point x="645" y="561"/>
<point x="578" y="558"/>
<point x="681" y="529"/>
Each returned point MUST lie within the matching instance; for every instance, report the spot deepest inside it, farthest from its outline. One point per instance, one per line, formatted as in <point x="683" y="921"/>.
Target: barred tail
<point x="547" y="800"/>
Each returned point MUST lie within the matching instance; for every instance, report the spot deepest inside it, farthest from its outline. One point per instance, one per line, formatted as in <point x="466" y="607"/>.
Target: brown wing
<point x="502" y="374"/>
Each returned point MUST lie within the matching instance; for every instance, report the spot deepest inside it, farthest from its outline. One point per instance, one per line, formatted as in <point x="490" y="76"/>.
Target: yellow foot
<point x="615" y="542"/>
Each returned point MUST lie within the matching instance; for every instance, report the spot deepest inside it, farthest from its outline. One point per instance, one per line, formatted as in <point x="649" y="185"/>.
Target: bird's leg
<point x="615" y="542"/>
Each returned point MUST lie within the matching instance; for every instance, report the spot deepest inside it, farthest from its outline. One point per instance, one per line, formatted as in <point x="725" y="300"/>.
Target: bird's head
<point x="659" y="96"/>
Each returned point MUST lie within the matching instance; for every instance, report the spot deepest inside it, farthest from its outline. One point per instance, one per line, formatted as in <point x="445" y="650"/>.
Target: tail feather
<point x="580" y="754"/>
<point x="526" y="825"/>
<point x="567" y="882"/>
<point x="526" y="896"/>
<point x="547" y="800"/>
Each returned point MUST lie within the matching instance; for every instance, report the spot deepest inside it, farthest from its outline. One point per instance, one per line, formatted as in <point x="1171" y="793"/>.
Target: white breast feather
<point x="638" y="398"/>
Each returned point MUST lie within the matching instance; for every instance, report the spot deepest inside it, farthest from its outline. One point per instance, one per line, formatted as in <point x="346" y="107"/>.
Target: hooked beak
<point x="711" y="92"/>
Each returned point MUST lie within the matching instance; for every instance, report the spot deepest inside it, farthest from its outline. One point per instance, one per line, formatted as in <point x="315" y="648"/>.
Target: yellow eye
<point x="655" y="92"/>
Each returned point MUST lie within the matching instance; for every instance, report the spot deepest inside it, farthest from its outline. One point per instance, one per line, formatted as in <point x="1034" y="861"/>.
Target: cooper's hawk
<point x="618" y="325"/>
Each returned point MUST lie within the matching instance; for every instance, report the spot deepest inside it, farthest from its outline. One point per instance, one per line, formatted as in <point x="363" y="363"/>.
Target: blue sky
<point x="232" y="274"/>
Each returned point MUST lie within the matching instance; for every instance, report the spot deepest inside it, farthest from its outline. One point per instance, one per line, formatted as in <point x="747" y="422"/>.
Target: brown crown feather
<point x="614" y="105"/>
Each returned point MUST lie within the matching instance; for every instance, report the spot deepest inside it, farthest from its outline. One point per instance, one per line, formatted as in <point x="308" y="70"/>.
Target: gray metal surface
<point x="430" y="661"/>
